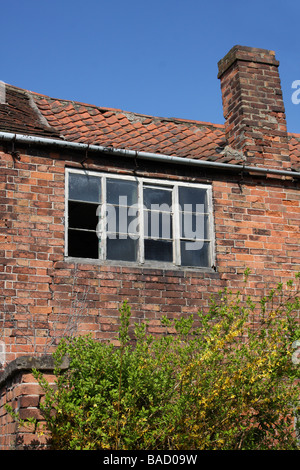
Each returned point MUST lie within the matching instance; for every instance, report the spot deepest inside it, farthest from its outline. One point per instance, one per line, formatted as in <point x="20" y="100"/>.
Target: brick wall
<point x="44" y="296"/>
<point x="20" y="390"/>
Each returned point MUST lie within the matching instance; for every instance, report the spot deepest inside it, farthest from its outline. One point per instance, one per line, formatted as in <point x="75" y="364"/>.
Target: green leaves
<point x="222" y="380"/>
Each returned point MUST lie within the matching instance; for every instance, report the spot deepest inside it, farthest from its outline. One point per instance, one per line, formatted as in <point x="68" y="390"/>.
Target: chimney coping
<point x="246" y="54"/>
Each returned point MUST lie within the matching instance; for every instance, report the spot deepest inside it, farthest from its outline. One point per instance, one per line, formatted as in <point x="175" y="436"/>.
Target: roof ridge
<point x="83" y="122"/>
<point x="133" y="113"/>
<point x="294" y="134"/>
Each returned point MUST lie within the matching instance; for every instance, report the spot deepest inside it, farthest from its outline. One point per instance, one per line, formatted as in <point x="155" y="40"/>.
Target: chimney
<point x="253" y="107"/>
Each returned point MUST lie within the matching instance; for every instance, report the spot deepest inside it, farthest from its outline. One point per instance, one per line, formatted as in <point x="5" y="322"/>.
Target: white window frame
<point x="174" y="185"/>
<point x="2" y="353"/>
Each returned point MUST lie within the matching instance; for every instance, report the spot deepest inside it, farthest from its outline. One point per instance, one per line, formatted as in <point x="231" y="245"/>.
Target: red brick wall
<point x="43" y="296"/>
<point x="23" y="394"/>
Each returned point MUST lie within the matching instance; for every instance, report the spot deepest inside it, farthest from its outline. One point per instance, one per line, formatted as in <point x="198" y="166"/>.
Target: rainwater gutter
<point x="27" y="139"/>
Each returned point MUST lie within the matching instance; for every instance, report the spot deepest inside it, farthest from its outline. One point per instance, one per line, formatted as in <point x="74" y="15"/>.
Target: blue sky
<point x="157" y="57"/>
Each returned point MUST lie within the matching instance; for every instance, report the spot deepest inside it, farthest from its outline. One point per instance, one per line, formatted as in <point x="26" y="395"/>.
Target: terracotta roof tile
<point x="19" y="114"/>
<point x="35" y="114"/>
<point x="294" y="141"/>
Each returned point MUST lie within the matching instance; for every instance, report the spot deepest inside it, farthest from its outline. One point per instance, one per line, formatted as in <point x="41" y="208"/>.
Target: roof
<point x="31" y="113"/>
<point x="294" y="144"/>
<point x="19" y="114"/>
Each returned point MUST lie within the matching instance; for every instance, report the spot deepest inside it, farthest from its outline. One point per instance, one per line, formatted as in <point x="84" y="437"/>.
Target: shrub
<point x="225" y="381"/>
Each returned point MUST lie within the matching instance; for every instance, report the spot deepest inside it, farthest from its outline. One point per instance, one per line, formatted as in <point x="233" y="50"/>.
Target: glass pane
<point x="158" y="250"/>
<point x="195" y="253"/>
<point x="120" y="220"/>
<point x="194" y="225"/>
<point x="191" y="197"/>
<point x="127" y="190"/>
<point x="84" y="187"/>
<point x="121" y="250"/>
<point x="157" y="196"/>
<point x="82" y="244"/>
<point x="158" y="225"/>
<point x="82" y="215"/>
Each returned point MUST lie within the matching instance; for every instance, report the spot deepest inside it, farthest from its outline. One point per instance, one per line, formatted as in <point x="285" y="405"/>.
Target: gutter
<point x="27" y="139"/>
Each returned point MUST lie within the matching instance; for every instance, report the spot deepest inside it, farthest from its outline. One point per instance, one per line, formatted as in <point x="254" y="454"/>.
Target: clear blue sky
<point x="155" y="57"/>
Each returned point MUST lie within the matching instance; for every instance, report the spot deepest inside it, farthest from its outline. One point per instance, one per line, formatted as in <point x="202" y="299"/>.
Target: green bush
<point x="224" y="380"/>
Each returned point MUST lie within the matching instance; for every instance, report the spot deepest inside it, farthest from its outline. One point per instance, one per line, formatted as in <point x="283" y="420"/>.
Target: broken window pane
<point x="82" y="215"/>
<point x="124" y="202"/>
<point x="82" y="244"/>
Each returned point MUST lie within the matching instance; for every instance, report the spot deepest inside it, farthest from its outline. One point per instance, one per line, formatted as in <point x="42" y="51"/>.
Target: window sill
<point x="147" y="265"/>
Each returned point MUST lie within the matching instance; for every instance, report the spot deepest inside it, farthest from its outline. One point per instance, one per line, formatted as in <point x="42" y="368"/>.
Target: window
<point x="139" y="220"/>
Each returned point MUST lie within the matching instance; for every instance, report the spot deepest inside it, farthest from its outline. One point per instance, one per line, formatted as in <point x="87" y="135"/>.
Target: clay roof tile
<point x="35" y="114"/>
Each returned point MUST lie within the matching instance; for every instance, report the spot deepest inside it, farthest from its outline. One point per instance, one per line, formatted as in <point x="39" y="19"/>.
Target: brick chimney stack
<point x="253" y="107"/>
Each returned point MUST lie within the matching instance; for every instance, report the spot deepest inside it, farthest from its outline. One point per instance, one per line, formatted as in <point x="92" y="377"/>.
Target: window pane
<point x="84" y="187"/>
<point x="157" y="196"/>
<point x="158" y="250"/>
<point x="158" y="224"/>
<point x="192" y="197"/>
<point x="194" y="225"/>
<point x="122" y="250"/>
<point x="195" y="253"/>
<point x="120" y="220"/>
<point x="82" y="215"/>
<point x="116" y="188"/>
<point x="82" y="244"/>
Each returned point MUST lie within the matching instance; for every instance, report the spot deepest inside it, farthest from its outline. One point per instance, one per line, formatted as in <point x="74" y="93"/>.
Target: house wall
<point x="21" y="391"/>
<point x="44" y="296"/>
